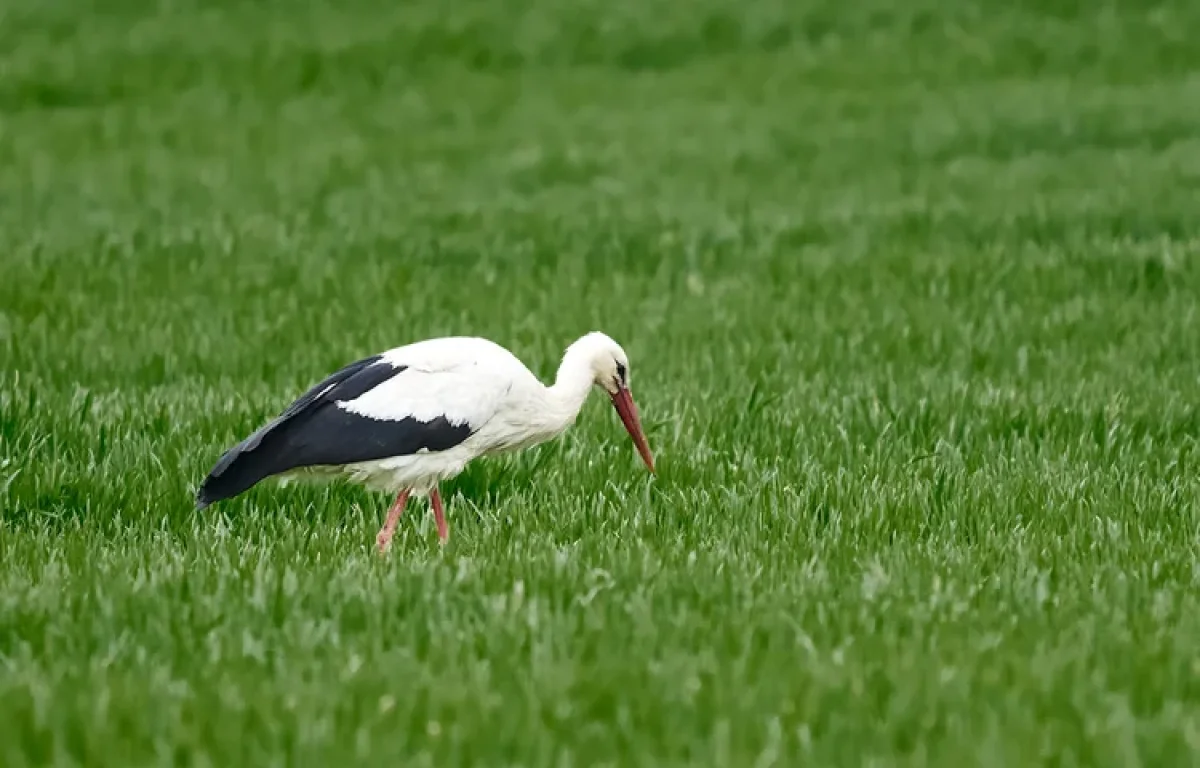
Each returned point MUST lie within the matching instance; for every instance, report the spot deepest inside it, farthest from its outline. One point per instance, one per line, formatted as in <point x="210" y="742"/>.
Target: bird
<point x="410" y="418"/>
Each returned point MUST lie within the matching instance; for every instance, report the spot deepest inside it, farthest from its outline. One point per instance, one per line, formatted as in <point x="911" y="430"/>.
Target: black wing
<point x="314" y="431"/>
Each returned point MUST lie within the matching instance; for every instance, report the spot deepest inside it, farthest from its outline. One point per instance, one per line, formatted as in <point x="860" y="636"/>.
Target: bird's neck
<point x="570" y="390"/>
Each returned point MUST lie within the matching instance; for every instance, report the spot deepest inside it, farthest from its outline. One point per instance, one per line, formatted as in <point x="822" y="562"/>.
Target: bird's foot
<point x="439" y="516"/>
<point x="384" y="538"/>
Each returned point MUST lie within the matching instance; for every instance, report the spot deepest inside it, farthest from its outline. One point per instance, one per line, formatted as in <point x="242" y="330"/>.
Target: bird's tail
<point x="239" y="470"/>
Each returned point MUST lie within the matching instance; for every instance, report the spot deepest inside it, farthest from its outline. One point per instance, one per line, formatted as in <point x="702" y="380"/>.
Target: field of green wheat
<point x="910" y="293"/>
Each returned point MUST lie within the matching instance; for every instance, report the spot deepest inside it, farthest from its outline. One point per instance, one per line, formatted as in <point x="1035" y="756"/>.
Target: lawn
<point x="910" y="293"/>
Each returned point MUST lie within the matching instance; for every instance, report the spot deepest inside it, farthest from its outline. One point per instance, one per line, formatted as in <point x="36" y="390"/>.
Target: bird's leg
<point x="389" y="526"/>
<point x="439" y="515"/>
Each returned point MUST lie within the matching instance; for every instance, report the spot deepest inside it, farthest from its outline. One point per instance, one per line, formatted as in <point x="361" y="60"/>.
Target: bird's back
<point x="459" y="352"/>
<point x="490" y="381"/>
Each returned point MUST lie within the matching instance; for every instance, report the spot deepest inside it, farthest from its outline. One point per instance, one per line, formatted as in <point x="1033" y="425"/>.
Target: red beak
<point x="623" y="402"/>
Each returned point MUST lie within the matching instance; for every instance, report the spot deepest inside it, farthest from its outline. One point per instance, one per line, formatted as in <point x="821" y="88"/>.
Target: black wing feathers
<point x="314" y="431"/>
<point x="327" y="390"/>
<point x="336" y="436"/>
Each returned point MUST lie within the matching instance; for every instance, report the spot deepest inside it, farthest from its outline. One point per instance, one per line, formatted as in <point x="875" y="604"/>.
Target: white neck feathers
<point x="572" y="385"/>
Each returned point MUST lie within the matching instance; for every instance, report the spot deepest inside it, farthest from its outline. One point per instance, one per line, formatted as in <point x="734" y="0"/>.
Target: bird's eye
<point x="621" y="372"/>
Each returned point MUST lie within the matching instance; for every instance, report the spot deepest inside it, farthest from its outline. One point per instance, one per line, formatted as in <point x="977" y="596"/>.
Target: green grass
<point x="910" y="293"/>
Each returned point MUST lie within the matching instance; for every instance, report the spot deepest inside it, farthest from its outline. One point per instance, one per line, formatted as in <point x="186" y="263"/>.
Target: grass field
<point x="910" y="292"/>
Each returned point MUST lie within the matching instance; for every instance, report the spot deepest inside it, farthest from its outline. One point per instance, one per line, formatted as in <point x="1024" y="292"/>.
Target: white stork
<point x="405" y="420"/>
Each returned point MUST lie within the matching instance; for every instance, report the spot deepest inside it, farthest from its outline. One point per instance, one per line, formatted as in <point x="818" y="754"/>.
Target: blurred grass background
<point x="910" y="296"/>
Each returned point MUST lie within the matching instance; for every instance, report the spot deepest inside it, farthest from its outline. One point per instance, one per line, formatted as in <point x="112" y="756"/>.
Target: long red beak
<point x="623" y="402"/>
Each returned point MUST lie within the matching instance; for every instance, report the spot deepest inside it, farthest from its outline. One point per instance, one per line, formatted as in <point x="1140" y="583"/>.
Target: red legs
<point x="389" y="526"/>
<point x="439" y="515"/>
<point x="384" y="538"/>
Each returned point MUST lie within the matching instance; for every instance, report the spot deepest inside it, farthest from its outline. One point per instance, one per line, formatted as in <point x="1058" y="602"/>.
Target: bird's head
<point x="609" y="366"/>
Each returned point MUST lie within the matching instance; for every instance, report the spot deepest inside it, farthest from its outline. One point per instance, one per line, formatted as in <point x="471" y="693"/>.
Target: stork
<point x="407" y="419"/>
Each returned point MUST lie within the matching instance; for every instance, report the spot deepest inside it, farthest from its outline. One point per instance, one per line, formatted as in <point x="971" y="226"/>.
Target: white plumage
<point x="414" y="416"/>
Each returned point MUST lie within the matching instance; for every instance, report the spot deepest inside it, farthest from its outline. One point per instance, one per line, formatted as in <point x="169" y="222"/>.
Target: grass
<point x="910" y="295"/>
